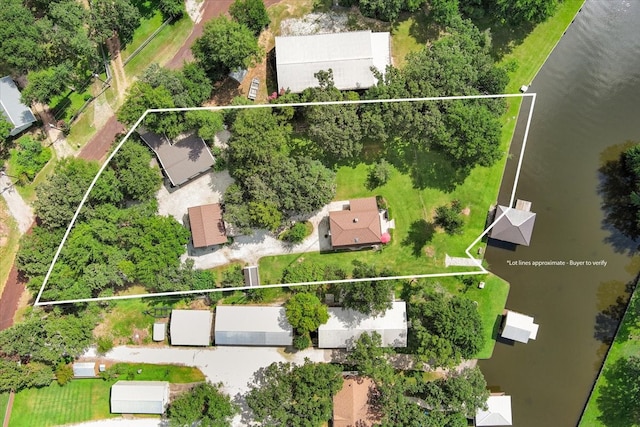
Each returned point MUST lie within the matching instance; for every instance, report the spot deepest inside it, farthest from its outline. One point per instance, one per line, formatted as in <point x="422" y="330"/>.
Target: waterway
<point x="587" y="107"/>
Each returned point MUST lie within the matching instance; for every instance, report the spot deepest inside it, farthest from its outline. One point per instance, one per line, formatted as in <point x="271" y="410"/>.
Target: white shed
<point x="11" y="106"/>
<point x="84" y="369"/>
<point x="139" y="397"/>
<point x="345" y="326"/>
<point x="252" y="325"/>
<point x="191" y="327"/>
<point x="159" y="331"/>
<point x="519" y="327"/>
<point x="498" y="412"/>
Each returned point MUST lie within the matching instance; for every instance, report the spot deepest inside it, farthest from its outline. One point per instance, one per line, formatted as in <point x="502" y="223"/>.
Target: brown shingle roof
<point x="351" y="404"/>
<point x="207" y="227"/>
<point x="359" y="225"/>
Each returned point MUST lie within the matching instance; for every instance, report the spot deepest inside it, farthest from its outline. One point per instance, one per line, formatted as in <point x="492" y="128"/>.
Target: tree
<point x="142" y="96"/>
<point x="518" y="12"/>
<point x="45" y="84"/>
<point x="207" y="123"/>
<point x="385" y="10"/>
<point x="224" y="46"/>
<point x="296" y="234"/>
<point x="20" y="48"/>
<point x="196" y="83"/>
<point x="111" y="17"/>
<point x="370" y="359"/>
<point x="305" y="312"/>
<point x="66" y="37"/>
<point x="379" y="174"/>
<point x="251" y="13"/>
<point x="171" y="8"/>
<point x="286" y="394"/>
<point x="369" y="297"/>
<point x="137" y="180"/>
<point x="59" y="196"/>
<point x="30" y="157"/>
<point x="618" y="399"/>
<point x="448" y="217"/>
<point x="203" y="405"/>
<point x="5" y="130"/>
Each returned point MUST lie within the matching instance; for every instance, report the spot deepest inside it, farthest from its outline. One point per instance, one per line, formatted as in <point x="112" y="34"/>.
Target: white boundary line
<point x="481" y="270"/>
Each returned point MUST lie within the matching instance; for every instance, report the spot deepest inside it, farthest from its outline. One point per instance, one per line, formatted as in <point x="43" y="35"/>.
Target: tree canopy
<point x="305" y="312"/>
<point x="251" y="13"/>
<point x="369" y="297"/>
<point x="204" y="404"/>
<point x="111" y="17"/>
<point x="291" y="395"/>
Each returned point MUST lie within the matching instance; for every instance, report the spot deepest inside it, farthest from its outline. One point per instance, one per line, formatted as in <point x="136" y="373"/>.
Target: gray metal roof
<point x="84" y="369"/>
<point x="159" y="331"/>
<point x="345" y="326"/>
<point x="252" y="325"/>
<point x="251" y="275"/>
<point x="16" y="112"/>
<point x="139" y="397"/>
<point x="349" y="55"/>
<point x="191" y="327"/>
<point x="181" y="161"/>
<point x="515" y="227"/>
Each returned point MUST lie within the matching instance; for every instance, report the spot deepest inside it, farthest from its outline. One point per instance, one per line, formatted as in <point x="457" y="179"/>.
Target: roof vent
<point x="356" y="240"/>
<point x="355" y="219"/>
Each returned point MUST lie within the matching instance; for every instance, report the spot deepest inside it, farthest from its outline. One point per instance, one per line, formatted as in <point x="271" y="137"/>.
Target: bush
<point x="301" y="342"/>
<point x="379" y="174"/>
<point x="29" y="157"/>
<point x="296" y="234"/>
<point x="232" y="277"/>
<point x="448" y="217"/>
<point x="105" y="344"/>
<point x="64" y="373"/>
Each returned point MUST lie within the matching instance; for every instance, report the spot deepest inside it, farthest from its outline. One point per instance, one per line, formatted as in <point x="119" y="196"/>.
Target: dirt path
<point x="13" y="290"/>
<point x="101" y="142"/>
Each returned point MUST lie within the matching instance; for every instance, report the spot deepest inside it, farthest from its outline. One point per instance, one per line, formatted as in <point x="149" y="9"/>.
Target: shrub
<point x="296" y="234"/>
<point x="105" y="344"/>
<point x="64" y="373"/>
<point x="379" y="174"/>
<point x="448" y="217"/>
<point x="300" y="342"/>
<point x="232" y="277"/>
<point x="29" y="157"/>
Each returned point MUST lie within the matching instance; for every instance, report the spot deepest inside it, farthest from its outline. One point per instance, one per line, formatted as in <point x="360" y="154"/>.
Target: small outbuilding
<point x="516" y="226"/>
<point x="13" y="109"/>
<point x="191" y="327"/>
<point x="139" y="397"/>
<point x="519" y="327"/>
<point x="159" y="331"/>
<point x="207" y="226"/>
<point x="345" y="326"/>
<point x="251" y="277"/>
<point x="498" y="412"/>
<point x="351" y="404"/>
<point x="252" y="326"/>
<point x="84" y="369"/>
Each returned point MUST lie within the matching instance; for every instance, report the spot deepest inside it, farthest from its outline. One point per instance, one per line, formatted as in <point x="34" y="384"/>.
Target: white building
<point x="345" y="326"/>
<point x="518" y="327"/>
<point x="139" y="397"/>
<point x="252" y="325"/>
<point x="349" y="55"/>
<point x="18" y="114"/>
<point x="498" y="412"/>
<point x="84" y="369"/>
<point x="191" y="327"/>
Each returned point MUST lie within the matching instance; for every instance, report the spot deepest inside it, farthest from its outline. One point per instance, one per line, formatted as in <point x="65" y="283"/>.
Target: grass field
<point x="609" y="402"/>
<point x="4" y="400"/>
<point x="147" y="26"/>
<point x="86" y="399"/>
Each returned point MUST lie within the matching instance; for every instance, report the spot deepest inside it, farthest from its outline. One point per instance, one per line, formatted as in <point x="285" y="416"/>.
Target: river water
<point x="587" y="107"/>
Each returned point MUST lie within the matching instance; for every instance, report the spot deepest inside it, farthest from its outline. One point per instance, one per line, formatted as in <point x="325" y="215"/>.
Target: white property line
<point x="481" y="270"/>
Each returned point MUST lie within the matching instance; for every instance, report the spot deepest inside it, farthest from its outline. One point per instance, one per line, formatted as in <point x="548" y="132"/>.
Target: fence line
<point x="146" y="42"/>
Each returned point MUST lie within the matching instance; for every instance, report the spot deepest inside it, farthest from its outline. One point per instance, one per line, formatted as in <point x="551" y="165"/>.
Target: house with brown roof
<point x="207" y="226"/>
<point x="351" y="406"/>
<point x="359" y="224"/>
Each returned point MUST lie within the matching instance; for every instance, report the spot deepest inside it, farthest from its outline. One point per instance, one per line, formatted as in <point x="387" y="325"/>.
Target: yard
<point x="86" y="399"/>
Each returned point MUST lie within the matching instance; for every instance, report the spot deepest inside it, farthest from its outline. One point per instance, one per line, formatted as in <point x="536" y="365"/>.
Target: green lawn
<point x="28" y="190"/>
<point x="491" y="301"/>
<point x="625" y="344"/>
<point x="9" y="249"/>
<point x="4" y="400"/>
<point x="125" y="316"/>
<point x="86" y="399"/>
<point x="162" y="48"/>
<point x="147" y="26"/>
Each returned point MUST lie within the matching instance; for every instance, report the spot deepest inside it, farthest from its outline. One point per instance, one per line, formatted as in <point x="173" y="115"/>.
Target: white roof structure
<point x="345" y="326"/>
<point x="191" y="327"/>
<point x="18" y="114"/>
<point x="349" y="55"/>
<point x="84" y="369"/>
<point x="519" y="327"/>
<point x="252" y="325"/>
<point x="159" y="331"/>
<point x="139" y="397"/>
<point x="498" y="412"/>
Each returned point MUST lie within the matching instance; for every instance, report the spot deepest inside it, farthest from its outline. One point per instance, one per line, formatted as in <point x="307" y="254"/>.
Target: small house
<point x="358" y="225"/>
<point x="252" y="326"/>
<point x="139" y="397"/>
<point x="345" y="326"/>
<point x="14" y="110"/>
<point x="519" y="327"/>
<point x="498" y="412"/>
<point x="191" y="327"/>
<point x="207" y="226"/>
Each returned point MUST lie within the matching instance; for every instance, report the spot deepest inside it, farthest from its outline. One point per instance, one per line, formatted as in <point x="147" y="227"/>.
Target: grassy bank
<point x="86" y="399"/>
<point x="611" y="401"/>
<point x="9" y="236"/>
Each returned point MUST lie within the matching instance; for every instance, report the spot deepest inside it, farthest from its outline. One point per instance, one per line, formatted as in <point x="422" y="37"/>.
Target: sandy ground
<point x="249" y="249"/>
<point x="20" y="211"/>
<point x="315" y="23"/>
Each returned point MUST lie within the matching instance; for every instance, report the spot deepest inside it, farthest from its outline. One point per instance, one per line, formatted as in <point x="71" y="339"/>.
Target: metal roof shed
<point x="519" y="327"/>
<point x="349" y="55"/>
<point x="498" y="412"/>
<point x="139" y="397"/>
<point x="17" y="113"/>
<point x="191" y="327"/>
<point x="159" y="331"/>
<point x="252" y="325"/>
<point x="345" y="326"/>
<point x="84" y="369"/>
